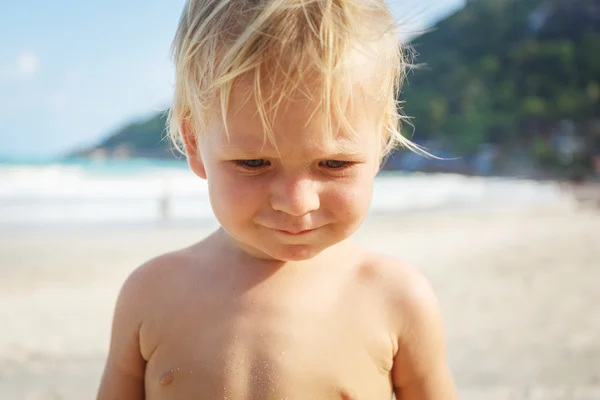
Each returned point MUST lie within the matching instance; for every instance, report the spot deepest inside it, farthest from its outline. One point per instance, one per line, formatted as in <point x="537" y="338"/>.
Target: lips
<point x="295" y="231"/>
<point x="291" y="229"/>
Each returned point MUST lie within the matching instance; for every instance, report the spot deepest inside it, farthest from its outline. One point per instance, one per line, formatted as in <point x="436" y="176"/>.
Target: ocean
<point x="88" y="192"/>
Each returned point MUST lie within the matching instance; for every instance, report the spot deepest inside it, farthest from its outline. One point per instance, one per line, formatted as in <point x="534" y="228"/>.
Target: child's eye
<point x="334" y="164"/>
<point x="252" y="164"/>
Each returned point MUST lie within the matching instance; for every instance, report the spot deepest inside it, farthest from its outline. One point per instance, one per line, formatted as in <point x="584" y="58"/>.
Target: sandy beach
<point x="519" y="291"/>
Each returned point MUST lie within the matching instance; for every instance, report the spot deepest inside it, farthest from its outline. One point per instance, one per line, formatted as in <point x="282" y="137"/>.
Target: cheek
<point x="233" y="197"/>
<point x="351" y="200"/>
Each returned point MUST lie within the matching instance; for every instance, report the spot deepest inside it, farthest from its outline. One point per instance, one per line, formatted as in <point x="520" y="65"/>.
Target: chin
<point x="294" y="252"/>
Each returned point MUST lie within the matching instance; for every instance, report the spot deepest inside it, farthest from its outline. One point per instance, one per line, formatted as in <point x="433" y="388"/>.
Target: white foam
<point x="79" y="194"/>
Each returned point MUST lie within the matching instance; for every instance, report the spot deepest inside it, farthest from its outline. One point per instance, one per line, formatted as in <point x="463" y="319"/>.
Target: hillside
<point x="144" y="138"/>
<point x="522" y="76"/>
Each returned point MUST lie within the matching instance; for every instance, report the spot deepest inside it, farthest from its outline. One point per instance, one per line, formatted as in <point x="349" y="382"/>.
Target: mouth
<point x="292" y="232"/>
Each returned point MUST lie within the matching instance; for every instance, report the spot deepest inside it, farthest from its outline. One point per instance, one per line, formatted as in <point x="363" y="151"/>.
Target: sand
<point x="519" y="291"/>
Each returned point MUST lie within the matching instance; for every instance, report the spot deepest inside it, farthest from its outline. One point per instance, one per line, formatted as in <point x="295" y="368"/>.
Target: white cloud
<point x="27" y="64"/>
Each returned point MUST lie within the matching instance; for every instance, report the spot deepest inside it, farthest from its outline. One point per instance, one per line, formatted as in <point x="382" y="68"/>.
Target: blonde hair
<point x="282" y="45"/>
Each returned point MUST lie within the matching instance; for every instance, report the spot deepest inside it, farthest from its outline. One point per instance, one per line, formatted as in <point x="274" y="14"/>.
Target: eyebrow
<point x="247" y="149"/>
<point x="342" y="148"/>
<point x="330" y="154"/>
<point x="344" y="154"/>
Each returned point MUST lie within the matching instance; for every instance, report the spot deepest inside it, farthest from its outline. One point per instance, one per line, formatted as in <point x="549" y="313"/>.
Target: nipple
<point x="167" y="377"/>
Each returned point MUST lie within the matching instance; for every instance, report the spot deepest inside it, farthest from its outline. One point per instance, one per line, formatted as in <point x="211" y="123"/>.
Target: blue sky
<point x="73" y="71"/>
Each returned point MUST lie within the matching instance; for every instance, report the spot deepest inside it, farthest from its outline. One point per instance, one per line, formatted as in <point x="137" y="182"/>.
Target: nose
<point x="295" y="196"/>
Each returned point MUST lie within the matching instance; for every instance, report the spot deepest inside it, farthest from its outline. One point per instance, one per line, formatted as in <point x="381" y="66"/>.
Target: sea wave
<point x="134" y="192"/>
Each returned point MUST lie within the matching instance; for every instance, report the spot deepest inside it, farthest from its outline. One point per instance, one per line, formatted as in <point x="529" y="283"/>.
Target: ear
<point x="194" y="158"/>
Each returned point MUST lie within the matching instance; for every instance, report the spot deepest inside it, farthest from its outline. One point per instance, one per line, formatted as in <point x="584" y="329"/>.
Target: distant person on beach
<point x="286" y="108"/>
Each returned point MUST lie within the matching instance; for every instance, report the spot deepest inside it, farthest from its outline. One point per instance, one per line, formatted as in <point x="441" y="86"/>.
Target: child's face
<point x="293" y="204"/>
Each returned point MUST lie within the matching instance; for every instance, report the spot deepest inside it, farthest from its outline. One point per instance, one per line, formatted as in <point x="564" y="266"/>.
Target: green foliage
<point x="142" y="138"/>
<point x="144" y="135"/>
<point x="507" y="72"/>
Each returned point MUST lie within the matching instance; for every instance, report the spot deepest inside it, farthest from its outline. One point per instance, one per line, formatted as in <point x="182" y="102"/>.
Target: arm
<point x="420" y="369"/>
<point x="123" y="376"/>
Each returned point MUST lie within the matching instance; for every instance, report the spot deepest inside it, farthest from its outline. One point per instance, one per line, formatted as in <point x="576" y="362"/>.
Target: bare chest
<point x="263" y="349"/>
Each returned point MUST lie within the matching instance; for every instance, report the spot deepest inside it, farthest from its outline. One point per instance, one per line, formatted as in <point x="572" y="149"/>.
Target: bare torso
<point x="220" y="329"/>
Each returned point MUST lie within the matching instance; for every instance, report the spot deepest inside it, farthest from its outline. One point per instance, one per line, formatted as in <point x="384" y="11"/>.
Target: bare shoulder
<point x="152" y="279"/>
<point x="160" y="270"/>
<point x="420" y="368"/>
<point x="154" y="285"/>
<point x="144" y="295"/>
<point x="407" y="291"/>
<point x="148" y="287"/>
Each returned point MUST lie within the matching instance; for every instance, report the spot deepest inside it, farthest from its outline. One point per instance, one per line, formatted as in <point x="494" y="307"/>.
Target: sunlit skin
<point x="280" y="303"/>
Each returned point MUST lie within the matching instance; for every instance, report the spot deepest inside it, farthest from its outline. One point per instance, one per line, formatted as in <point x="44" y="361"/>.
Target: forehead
<point x="298" y="125"/>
